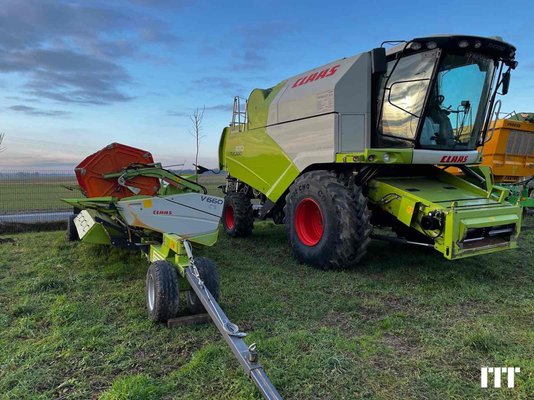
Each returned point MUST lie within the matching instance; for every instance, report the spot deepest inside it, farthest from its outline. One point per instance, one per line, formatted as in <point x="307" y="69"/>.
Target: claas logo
<point x="453" y="159"/>
<point x="316" y="76"/>
<point x="162" y="212"/>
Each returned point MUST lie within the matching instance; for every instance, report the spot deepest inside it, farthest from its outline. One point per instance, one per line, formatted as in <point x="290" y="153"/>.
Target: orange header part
<point x="114" y="158"/>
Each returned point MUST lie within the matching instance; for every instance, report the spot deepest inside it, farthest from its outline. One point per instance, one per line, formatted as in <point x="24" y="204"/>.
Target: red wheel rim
<point x="229" y="217"/>
<point x="309" y="222"/>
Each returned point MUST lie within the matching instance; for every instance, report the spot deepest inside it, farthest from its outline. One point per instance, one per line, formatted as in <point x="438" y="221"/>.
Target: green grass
<point x="407" y="324"/>
<point x="45" y="193"/>
<point x="35" y="196"/>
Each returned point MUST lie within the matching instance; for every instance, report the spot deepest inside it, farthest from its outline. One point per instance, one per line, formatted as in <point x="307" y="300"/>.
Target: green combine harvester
<point x="365" y="142"/>
<point x="130" y="201"/>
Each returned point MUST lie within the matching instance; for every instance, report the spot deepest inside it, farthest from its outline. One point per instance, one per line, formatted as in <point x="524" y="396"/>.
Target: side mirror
<point x="505" y="82"/>
<point x="378" y="61"/>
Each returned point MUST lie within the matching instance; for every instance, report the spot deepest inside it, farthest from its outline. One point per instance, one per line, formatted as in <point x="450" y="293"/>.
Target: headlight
<point x="463" y="44"/>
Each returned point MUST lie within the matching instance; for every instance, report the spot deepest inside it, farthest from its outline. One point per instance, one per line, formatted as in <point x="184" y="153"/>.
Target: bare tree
<point x="1" y="140"/>
<point x="196" y="121"/>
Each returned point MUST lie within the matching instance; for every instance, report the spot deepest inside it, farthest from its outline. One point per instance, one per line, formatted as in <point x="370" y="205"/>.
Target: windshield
<point x="455" y="101"/>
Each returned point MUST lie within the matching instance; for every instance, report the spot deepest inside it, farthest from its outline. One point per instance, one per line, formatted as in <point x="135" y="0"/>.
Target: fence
<point x="32" y="197"/>
<point x="29" y="197"/>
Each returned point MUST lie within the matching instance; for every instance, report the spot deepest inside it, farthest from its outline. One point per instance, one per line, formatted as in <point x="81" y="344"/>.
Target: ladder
<point x="239" y="114"/>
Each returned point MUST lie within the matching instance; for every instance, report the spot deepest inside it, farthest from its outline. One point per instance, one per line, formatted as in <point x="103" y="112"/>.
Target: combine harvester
<point x="132" y="202"/>
<point x="364" y="141"/>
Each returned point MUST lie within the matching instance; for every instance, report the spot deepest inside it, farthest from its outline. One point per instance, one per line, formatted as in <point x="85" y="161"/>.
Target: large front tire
<point x="327" y="221"/>
<point x="162" y="295"/>
<point x="238" y="216"/>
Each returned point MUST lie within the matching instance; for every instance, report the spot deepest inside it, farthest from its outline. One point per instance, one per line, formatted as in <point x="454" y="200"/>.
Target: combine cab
<point x="365" y="141"/>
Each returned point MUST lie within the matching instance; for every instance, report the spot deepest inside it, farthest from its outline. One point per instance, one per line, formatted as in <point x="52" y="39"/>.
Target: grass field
<point x="34" y="196"/>
<point x="24" y="193"/>
<point x="407" y="324"/>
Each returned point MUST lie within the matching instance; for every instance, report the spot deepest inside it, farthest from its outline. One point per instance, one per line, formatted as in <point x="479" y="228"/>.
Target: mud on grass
<point x="406" y="324"/>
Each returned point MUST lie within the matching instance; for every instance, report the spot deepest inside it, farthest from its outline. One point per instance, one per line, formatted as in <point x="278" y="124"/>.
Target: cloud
<point x="221" y="107"/>
<point x="217" y="83"/>
<point x="67" y="76"/>
<point x="19" y="98"/>
<point x="256" y="39"/>
<point x="120" y="48"/>
<point x="226" y="108"/>
<point x="37" y="112"/>
<point x="250" y="59"/>
<point x="28" y="153"/>
<point x="157" y="36"/>
<point x="72" y="52"/>
<point x="172" y="113"/>
<point x="176" y="4"/>
<point x="23" y="152"/>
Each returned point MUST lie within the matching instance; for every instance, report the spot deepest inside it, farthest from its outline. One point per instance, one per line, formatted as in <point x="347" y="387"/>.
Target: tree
<point x="196" y="121"/>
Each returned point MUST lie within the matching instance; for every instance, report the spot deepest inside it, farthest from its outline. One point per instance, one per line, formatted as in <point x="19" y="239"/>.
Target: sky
<point x="78" y="75"/>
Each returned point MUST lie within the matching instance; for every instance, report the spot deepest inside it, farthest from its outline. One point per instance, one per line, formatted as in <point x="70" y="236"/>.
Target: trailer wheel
<point x="238" y="216"/>
<point x="72" y="233"/>
<point x="327" y="222"/>
<point x="209" y="275"/>
<point x="162" y="294"/>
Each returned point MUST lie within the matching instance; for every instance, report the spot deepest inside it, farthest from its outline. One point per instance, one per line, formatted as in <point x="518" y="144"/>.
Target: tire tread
<point x="350" y="244"/>
<point x="210" y="276"/>
<point x="243" y="215"/>
<point x="166" y="302"/>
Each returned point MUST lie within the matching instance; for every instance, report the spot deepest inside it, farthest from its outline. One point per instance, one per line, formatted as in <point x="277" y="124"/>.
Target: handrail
<point x="497" y="111"/>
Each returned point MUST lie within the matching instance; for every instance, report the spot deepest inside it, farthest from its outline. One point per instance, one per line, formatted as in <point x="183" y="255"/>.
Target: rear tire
<point x="162" y="294"/>
<point x="209" y="275"/>
<point x="238" y="216"/>
<point x="72" y="232"/>
<point x="327" y="222"/>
